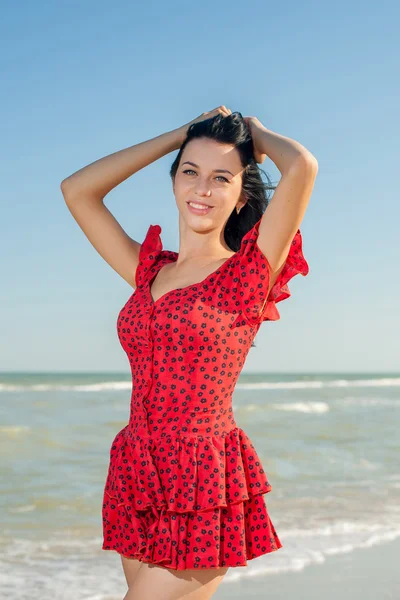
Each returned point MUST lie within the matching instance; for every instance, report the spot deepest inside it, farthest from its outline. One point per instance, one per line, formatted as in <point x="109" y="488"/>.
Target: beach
<point x="364" y="574"/>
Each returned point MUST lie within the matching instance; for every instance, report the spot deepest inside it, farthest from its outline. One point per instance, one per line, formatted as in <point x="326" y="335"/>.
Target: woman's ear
<point x="241" y="203"/>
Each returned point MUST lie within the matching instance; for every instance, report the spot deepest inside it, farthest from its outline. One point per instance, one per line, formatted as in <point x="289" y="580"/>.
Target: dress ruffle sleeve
<point x="150" y="250"/>
<point x="253" y="272"/>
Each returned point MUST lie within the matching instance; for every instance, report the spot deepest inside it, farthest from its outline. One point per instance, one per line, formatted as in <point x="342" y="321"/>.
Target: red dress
<point x="185" y="485"/>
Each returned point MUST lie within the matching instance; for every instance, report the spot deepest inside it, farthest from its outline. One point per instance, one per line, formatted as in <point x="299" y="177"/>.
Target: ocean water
<point x="329" y="445"/>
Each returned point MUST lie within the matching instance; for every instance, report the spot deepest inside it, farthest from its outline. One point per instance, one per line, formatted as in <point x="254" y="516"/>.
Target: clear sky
<point x="81" y="80"/>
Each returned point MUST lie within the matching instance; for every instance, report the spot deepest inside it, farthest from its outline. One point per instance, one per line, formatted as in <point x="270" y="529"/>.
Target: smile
<point x="199" y="205"/>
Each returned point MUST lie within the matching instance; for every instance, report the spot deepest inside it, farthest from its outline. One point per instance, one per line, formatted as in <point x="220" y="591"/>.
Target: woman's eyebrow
<point x="187" y="162"/>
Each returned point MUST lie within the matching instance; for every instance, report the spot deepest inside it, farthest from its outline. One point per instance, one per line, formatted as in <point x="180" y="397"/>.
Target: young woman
<point x="184" y="496"/>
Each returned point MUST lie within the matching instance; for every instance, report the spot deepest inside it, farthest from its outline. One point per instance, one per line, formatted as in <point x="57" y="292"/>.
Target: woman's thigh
<point x="159" y="583"/>
<point x="131" y="568"/>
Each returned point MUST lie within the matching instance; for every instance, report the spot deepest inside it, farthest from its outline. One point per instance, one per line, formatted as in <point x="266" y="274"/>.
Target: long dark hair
<point x="232" y="129"/>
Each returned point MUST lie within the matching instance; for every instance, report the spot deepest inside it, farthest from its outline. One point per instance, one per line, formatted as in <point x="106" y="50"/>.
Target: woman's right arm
<point x="85" y="190"/>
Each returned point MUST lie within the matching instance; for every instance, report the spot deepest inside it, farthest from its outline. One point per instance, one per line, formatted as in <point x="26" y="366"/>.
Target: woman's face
<point x="209" y="173"/>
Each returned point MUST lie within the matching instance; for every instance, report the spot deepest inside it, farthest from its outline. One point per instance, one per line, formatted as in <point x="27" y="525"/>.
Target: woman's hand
<point x="205" y="115"/>
<point x="254" y="125"/>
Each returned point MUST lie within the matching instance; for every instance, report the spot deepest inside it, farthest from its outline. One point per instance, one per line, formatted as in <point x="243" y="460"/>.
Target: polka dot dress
<point x="185" y="485"/>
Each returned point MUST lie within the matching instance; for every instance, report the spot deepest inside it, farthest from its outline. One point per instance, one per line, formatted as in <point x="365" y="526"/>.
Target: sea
<point x="329" y="443"/>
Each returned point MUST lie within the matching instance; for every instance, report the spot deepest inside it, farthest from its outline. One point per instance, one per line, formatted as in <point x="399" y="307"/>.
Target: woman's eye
<point x="191" y="171"/>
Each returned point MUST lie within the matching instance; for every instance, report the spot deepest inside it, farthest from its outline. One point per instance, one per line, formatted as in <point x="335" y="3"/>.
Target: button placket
<point x="150" y="365"/>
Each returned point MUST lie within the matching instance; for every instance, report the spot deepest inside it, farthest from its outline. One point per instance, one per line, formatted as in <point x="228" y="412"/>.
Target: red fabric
<point x="254" y="269"/>
<point x="185" y="486"/>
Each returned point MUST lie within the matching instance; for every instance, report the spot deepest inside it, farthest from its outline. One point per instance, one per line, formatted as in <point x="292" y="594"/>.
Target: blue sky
<point x="84" y="79"/>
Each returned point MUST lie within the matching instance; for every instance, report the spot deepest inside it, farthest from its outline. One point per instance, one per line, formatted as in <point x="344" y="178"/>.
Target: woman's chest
<point x="188" y="320"/>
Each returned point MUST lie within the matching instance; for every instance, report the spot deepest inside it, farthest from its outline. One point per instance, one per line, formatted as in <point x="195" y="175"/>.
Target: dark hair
<point x="232" y="129"/>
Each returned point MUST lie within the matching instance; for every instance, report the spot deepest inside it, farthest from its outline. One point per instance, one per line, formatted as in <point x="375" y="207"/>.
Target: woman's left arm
<point x="286" y="210"/>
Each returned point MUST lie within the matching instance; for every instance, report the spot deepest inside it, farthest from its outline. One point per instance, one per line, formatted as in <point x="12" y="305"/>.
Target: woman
<point x="184" y="496"/>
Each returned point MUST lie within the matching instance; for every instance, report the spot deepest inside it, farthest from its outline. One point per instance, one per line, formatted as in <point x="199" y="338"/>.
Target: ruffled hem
<point x="180" y="474"/>
<point x="222" y="537"/>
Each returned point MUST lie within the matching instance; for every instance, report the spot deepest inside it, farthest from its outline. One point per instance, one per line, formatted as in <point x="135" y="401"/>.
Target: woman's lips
<point x="198" y="210"/>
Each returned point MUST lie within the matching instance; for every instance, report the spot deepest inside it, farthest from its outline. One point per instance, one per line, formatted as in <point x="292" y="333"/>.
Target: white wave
<point x="301" y="557"/>
<point x="339" y="528"/>
<point x="13" y="430"/>
<point x="305" y="407"/>
<point x="319" y="384"/>
<point x="22" y="509"/>
<point x="366" y="401"/>
<point x="84" y="387"/>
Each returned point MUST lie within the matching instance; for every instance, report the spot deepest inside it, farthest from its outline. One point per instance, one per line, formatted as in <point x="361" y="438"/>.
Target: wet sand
<point x="364" y="574"/>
